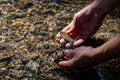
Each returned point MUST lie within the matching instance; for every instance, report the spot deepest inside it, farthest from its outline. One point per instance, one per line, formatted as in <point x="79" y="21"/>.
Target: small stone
<point x="32" y="65"/>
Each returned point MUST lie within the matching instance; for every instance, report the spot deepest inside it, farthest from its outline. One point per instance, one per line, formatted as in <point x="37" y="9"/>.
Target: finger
<point x="69" y="53"/>
<point x="58" y="35"/>
<point x="72" y="32"/>
<point x="74" y="25"/>
<point x="67" y="63"/>
<point x="67" y="28"/>
<point x="78" y="42"/>
<point x="70" y="29"/>
<point x="63" y="41"/>
<point x="80" y="39"/>
<point x="68" y="45"/>
<point x="64" y="30"/>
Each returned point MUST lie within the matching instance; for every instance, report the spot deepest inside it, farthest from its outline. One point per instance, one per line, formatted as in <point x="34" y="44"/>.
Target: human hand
<point x="84" y="24"/>
<point x="80" y="58"/>
<point x="85" y="56"/>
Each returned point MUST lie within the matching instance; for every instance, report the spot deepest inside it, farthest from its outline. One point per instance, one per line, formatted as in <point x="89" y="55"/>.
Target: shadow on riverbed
<point x="93" y="42"/>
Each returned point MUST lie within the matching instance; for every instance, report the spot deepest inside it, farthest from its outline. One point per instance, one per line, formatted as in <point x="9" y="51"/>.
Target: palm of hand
<point x="78" y="58"/>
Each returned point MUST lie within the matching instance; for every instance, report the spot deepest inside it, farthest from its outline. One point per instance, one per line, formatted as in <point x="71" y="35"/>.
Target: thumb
<point x="67" y="63"/>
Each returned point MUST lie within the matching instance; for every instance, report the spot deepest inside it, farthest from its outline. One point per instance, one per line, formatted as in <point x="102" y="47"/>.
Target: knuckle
<point x="76" y="15"/>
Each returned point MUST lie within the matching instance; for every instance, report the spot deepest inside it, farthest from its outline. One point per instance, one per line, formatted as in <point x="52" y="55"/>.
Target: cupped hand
<point x="79" y="58"/>
<point x="84" y="24"/>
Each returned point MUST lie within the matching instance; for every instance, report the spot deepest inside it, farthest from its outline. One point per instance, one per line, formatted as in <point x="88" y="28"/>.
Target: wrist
<point x="104" y="7"/>
<point x="98" y="55"/>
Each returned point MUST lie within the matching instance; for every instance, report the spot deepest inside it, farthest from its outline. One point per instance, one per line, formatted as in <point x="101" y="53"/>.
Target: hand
<point x="84" y="24"/>
<point x="85" y="56"/>
<point x="80" y="58"/>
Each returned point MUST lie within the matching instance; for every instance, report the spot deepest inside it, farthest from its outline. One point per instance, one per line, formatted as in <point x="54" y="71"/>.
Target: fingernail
<point x="62" y="41"/>
<point x="68" y="45"/>
<point x="58" y="35"/>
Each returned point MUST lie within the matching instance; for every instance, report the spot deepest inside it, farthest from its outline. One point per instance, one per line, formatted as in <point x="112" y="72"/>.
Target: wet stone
<point x="3" y="31"/>
<point x="54" y="3"/>
<point x="58" y="55"/>
<point x="49" y="13"/>
<point x="36" y="32"/>
<point x="28" y="5"/>
<point x="32" y="65"/>
<point x="2" y="47"/>
<point x="28" y="43"/>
